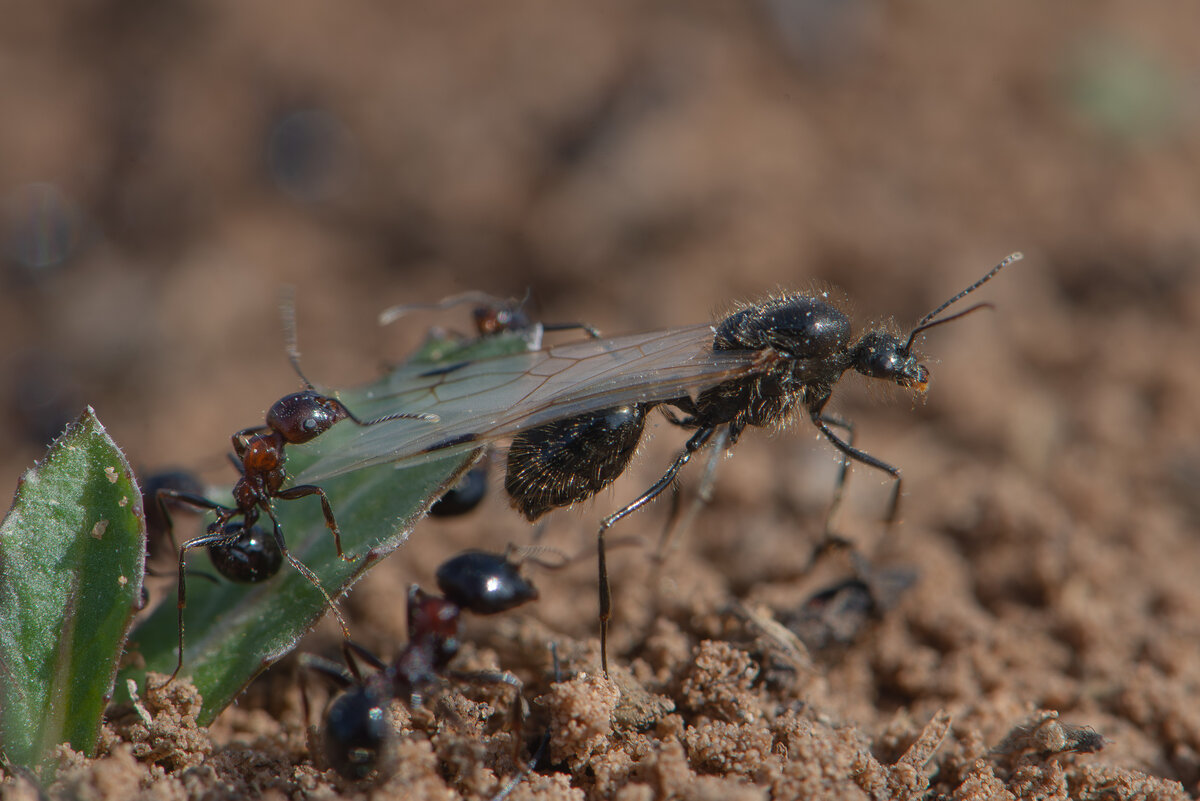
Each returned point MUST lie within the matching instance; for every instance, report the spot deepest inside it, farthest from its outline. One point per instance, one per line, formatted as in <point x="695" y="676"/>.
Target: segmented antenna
<point x="287" y="313"/>
<point x="928" y="322"/>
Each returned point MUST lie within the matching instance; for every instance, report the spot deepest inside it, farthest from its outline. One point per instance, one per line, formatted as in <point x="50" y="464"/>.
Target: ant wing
<point x="481" y="402"/>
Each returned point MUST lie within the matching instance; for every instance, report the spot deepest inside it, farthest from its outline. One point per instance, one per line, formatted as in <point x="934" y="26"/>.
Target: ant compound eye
<point x="356" y="730"/>
<point x="302" y="416"/>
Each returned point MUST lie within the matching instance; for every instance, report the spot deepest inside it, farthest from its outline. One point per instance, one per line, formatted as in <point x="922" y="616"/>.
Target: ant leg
<point x="352" y="652"/>
<point x="698" y="441"/>
<point x="839" y="484"/>
<point x="304" y="569"/>
<point x="213" y="537"/>
<point x="708" y="480"/>
<point x="239" y="443"/>
<point x="189" y="499"/>
<point x="337" y="674"/>
<point x="494" y="677"/>
<point x="849" y="452"/>
<point x="591" y="331"/>
<point x="305" y="490"/>
<point x="542" y="746"/>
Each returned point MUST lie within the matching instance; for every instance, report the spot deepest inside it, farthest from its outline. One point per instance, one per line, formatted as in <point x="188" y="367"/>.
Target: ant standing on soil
<point x="810" y="343"/>
<point x="806" y="345"/>
<point x="355" y="732"/>
<point x="240" y="550"/>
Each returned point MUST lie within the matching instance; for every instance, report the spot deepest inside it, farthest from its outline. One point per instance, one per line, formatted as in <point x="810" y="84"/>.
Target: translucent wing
<point x="483" y="401"/>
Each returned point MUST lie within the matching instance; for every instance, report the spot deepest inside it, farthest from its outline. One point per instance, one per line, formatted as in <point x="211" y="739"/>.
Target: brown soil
<point x="640" y="166"/>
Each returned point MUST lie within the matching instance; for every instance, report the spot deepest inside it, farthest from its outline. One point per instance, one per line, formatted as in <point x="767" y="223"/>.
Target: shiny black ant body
<point x="240" y="550"/>
<point x="355" y="731"/>
<point x="464" y="496"/>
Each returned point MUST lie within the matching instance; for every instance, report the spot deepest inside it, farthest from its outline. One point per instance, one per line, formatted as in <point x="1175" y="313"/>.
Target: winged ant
<point x="239" y="549"/>
<point x="576" y="412"/>
<point x="355" y="732"/>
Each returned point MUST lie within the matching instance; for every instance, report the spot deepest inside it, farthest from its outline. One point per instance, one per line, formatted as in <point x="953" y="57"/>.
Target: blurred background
<point x="167" y="167"/>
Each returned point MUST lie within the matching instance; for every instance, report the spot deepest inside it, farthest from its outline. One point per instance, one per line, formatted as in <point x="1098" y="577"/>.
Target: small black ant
<point x="355" y="732"/>
<point x="239" y="549"/>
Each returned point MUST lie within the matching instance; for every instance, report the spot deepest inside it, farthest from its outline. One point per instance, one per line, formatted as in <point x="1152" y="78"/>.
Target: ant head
<point x="499" y="317"/>
<point x="484" y="583"/>
<point x="355" y="731"/>
<point x="303" y="416"/>
<point x="879" y="354"/>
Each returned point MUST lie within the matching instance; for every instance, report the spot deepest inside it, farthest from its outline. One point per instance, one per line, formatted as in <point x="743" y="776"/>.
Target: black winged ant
<point x="239" y="549"/>
<point x="575" y="412"/>
<point x="355" y="731"/>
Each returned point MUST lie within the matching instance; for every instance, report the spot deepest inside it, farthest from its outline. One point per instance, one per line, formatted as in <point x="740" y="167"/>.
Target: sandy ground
<point x="165" y="168"/>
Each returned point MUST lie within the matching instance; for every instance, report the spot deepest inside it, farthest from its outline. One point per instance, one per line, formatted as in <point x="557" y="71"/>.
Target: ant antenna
<point x="928" y="320"/>
<point x="287" y="313"/>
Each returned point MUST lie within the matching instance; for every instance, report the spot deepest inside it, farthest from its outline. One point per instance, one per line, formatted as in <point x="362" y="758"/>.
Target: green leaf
<point x="233" y="632"/>
<point x="71" y="556"/>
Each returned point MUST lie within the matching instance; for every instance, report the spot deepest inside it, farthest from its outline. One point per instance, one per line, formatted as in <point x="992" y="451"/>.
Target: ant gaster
<point x="355" y="731"/>
<point x="239" y="549"/>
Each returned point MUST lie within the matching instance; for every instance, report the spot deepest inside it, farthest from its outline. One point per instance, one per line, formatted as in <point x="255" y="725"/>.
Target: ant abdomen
<point x="570" y="460"/>
<point x="357" y="732"/>
<point x="249" y="556"/>
<point x="484" y="583"/>
<point x="464" y="496"/>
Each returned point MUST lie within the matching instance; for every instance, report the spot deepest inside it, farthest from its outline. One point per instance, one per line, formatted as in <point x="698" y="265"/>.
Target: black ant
<point x="811" y="345"/>
<point x="240" y="550"/>
<point x="355" y="731"/>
